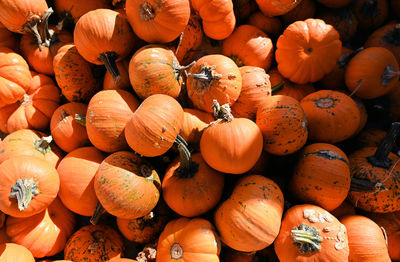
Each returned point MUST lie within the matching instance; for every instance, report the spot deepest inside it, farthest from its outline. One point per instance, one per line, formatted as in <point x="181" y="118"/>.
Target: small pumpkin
<point x="272" y="8"/>
<point x="123" y="82"/>
<point x="371" y="13"/>
<point x="194" y="122"/>
<point x="363" y="114"/>
<point x="74" y="9"/>
<point x="343" y="20"/>
<point x="269" y="25"/>
<point x="304" y="10"/>
<point x="7" y="38"/>
<point x="8" y="252"/>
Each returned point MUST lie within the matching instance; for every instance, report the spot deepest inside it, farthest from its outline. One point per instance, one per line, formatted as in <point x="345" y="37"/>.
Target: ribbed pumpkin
<point x="307" y="50"/>
<point x="44" y="234"/>
<point x="255" y="200"/>
<point x="9" y="251"/>
<point x="7" y="38"/>
<point x="310" y="233"/>
<point x="123" y="82"/>
<point x="283" y="125"/>
<point x="184" y="239"/>
<point x="154" y="126"/>
<point x="74" y="9"/>
<point x="77" y="171"/>
<point x="321" y="176"/>
<point x="126" y="185"/>
<point x="194" y="122"/>
<point x="213" y="77"/>
<point x="35" y="109"/>
<point x="28" y="185"/>
<point x="343" y="20"/>
<point x="332" y="116"/>
<point x="275" y="8"/>
<point x="269" y="25"/>
<point x="107" y="114"/>
<point x="304" y="10"/>
<point x="370" y="13"/>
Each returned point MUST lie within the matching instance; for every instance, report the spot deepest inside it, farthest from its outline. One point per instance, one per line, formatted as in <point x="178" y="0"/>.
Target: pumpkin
<point x="335" y="3"/>
<point x="35" y="109"/>
<point x="154" y="69"/>
<point x="126" y="185"/>
<point x="190" y="187"/>
<point x="154" y="126"/>
<point x="147" y="228"/>
<point x="283" y="125"/>
<point x="250" y="46"/>
<point x="183" y="239"/>
<point x="231" y="145"/>
<point x="332" y="116"/>
<point x="123" y="82"/>
<point x="304" y="10"/>
<point x="375" y="176"/>
<point x="393" y="246"/>
<point x="8" y="252"/>
<point x="74" y="9"/>
<point x="213" y="77"/>
<point x="44" y="234"/>
<point x="194" y="122"/>
<point x="371" y="13"/>
<point x="94" y="243"/>
<point x="366" y="240"/>
<point x="28" y="142"/>
<point x="269" y="25"/>
<point x="386" y="36"/>
<point x="103" y="36"/>
<point x="310" y="233"/>
<point x="321" y="176"/>
<point x="255" y="200"/>
<point x="218" y="17"/>
<point x="74" y="74"/>
<point x="2" y="219"/>
<point x="158" y="21"/>
<point x="4" y="238"/>
<point x="28" y="185"/>
<point x="307" y="50"/>
<point x="371" y="73"/>
<point x="7" y="38"/>
<point x="77" y="170"/>
<point x="370" y="137"/>
<point x="256" y="88"/>
<point x="244" y="8"/>
<point x="15" y="77"/>
<point x="68" y="126"/>
<point x="274" y="8"/>
<point x="343" y="20"/>
<point x="107" y="114"/>
<point x="363" y="114"/>
<point x="345" y="209"/>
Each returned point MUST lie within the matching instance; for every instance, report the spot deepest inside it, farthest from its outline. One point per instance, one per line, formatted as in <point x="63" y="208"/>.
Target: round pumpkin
<point x="371" y="13"/>
<point x="269" y="25"/>
<point x="274" y="8"/>
<point x="16" y="253"/>
<point x="194" y="122"/>
<point x="123" y="82"/>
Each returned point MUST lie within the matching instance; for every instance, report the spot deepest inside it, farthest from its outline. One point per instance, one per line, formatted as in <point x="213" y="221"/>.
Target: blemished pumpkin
<point x="343" y="20"/>
<point x="307" y="50"/>
<point x="332" y="116"/>
<point x="255" y="200"/>
<point x="371" y="13"/>
<point x="74" y="9"/>
<point x="184" y="238"/>
<point x="276" y="8"/>
<point x="283" y="125"/>
<point x="249" y="46"/>
<point x="94" y="243"/>
<point x="304" y="10"/>
<point x="213" y="77"/>
<point x="309" y="232"/>
<point x="44" y="234"/>
<point x="8" y="253"/>
<point x="372" y="73"/>
<point x="269" y="25"/>
<point x="321" y="176"/>
<point x="7" y="38"/>
<point x="28" y="185"/>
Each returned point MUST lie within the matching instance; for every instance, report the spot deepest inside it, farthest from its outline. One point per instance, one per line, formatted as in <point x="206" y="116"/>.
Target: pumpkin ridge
<point x="328" y="154"/>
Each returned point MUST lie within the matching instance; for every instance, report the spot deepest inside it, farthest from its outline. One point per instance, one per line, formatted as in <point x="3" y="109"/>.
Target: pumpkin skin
<point x="305" y="9"/>
<point x="319" y="223"/>
<point x="158" y="21"/>
<point x="77" y="170"/>
<point x="74" y="9"/>
<point x="275" y="8"/>
<point x="332" y="116"/>
<point x="7" y="38"/>
<point x="283" y="125"/>
<point x="363" y="114"/>
<point x="44" y="234"/>
<point x="371" y="14"/>
<point x="321" y="176"/>
<point x="393" y="244"/>
<point x="255" y="200"/>
<point x="154" y="69"/>
<point x="185" y="239"/>
<point x="8" y="252"/>
<point x="370" y="137"/>
<point x="345" y="209"/>
<point x="317" y="41"/>
<point x="123" y="82"/>
<point x="126" y="185"/>
<point x="154" y="126"/>
<point x="194" y="121"/>
<point x="35" y="109"/>
<point x="107" y="114"/>
<point x="74" y="74"/>
<point x="343" y="20"/>
<point x="15" y="77"/>
<point x="360" y="228"/>
<point x="244" y="8"/>
<point x="28" y="170"/>
<point x="224" y="82"/>
<point x="371" y="73"/>
<point x="269" y="25"/>
<point x="250" y="46"/>
<point x="94" y="243"/>
<point x="68" y="126"/>
<point x="4" y="238"/>
<point x="335" y="3"/>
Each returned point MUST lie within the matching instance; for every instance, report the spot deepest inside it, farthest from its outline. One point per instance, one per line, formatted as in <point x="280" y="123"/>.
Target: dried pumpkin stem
<point x="344" y="59"/>
<point x="389" y="74"/>
<point x="24" y="190"/>
<point x="222" y="112"/>
<point x="81" y="119"/>
<point x="187" y="168"/>
<point x="176" y="251"/>
<point x="45" y="33"/>
<point x="306" y="238"/>
<point x="98" y="212"/>
<point x="179" y="70"/>
<point x="38" y="26"/>
<point x="146" y="11"/>
<point x="109" y="58"/>
<point x="43" y="144"/>
<point x="206" y="76"/>
<point x="277" y="88"/>
<point x="365" y="185"/>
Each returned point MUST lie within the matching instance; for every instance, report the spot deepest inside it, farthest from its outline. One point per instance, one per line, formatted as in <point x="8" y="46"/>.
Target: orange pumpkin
<point x="269" y="25"/>
<point x="275" y="8"/>
<point x="123" y="82"/>
<point x="74" y="9"/>
<point x="9" y="251"/>
<point x="304" y="10"/>
<point x="194" y="122"/>
<point x="345" y="209"/>
<point x="371" y="13"/>
<point x="370" y="137"/>
<point x="363" y="114"/>
<point x="244" y="8"/>
<point x="393" y="246"/>
<point x="7" y="38"/>
<point x="307" y="50"/>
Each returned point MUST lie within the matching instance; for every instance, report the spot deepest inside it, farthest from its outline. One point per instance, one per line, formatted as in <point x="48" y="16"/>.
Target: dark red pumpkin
<point x="304" y="10"/>
<point x="269" y="25"/>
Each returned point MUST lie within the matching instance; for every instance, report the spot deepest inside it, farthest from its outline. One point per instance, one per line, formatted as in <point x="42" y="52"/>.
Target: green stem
<point x="277" y="88"/>
<point x="222" y="112"/>
<point x="98" y="212"/>
<point x="24" y="190"/>
<point x="43" y="144"/>
<point x="306" y="238"/>
<point x="81" y="119"/>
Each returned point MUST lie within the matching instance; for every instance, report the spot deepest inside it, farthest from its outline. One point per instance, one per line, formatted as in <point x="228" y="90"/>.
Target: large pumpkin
<point x="16" y="253"/>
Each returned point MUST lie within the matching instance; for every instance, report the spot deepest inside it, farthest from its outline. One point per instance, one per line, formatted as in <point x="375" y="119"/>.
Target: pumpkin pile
<point x="190" y="130"/>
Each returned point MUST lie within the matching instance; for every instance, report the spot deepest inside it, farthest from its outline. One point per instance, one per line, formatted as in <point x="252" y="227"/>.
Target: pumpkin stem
<point x="81" y="119"/>
<point x="187" y="168"/>
<point x="178" y="69"/>
<point x="306" y="238"/>
<point x="344" y="59"/>
<point x="109" y="58"/>
<point x="98" y="212"/>
<point x="365" y="185"/>
<point x="222" y="112"/>
<point x="24" y="190"/>
<point x="393" y="36"/>
<point x="26" y="100"/>
<point x="277" y="88"/>
<point x="380" y="158"/>
<point x="389" y="74"/>
<point x="180" y="140"/>
<point x="176" y="251"/>
<point x="146" y="11"/>
<point x="38" y="26"/>
<point x="43" y="144"/>
<point x="46" y="34"/>
<point x="205" y="77"/>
